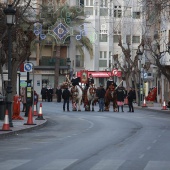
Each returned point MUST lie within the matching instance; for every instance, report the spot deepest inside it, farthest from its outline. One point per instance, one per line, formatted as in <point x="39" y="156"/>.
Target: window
<point x="105" y="54"/>
<point x="116" y="38"/>
<point x="136" y="39"/>
<point x="89" y="10"/>
<point x="80" y="3"/>
<point x="128" y="39"/>
<point x="117" y="12"/>
<point x="101" y="54"/>
<point x="102" y="63"/>
<point x="89" y="3"/>
<point x="79" y="61"/>
<point x="136" y="15"/>
<point x="103" y="38"/>
<point x="103" y="11"/>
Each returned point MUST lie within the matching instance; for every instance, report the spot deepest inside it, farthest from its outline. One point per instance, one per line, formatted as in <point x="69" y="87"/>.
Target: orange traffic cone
<point x="40" y="115"/>
<point x="30" y="118"/>
<point x="6" y="123"/>
<point x="35" y="109"/>
<point x="164" y="106"/>
<point x="144" y="103"/>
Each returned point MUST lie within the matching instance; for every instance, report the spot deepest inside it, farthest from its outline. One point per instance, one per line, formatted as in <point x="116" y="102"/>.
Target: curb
<point x="16" y="132"/>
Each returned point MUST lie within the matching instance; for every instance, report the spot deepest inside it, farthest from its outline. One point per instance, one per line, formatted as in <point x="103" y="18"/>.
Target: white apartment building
<point x="106" y="21"/>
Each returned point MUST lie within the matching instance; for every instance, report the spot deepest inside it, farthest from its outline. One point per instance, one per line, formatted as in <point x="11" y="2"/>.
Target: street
<point x="91" y="141"/>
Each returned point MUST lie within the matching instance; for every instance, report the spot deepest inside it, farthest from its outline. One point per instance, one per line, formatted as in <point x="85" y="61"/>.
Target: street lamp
<point x="10" y="19"/>
<point x="69" y="64"/>
<point x="139" y="53"/>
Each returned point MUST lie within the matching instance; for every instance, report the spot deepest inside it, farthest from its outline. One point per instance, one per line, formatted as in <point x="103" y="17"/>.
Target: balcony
<point x="48" y="61"/>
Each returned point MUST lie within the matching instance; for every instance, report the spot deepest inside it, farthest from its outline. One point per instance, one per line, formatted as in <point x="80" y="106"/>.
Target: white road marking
<point x="59" y="164"/>
<point x="141" y="156"/>
<point x="158" y="165"/>
<point x="11" y="164"/>
<point x="108" y="164"/>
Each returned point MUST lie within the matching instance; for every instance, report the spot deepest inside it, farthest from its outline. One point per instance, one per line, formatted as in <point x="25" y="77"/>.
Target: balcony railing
<point x="48" y="61"/>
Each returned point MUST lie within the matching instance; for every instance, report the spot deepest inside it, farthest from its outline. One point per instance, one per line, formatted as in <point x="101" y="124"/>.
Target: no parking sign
<point x="28" y="67"/>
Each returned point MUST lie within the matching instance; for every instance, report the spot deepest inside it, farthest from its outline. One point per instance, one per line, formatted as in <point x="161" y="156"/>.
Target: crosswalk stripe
<point x="11" y="164"/>
<point x="157" y="165"/>
<point x="59" y="164"/>
<point x="108" y="165"/>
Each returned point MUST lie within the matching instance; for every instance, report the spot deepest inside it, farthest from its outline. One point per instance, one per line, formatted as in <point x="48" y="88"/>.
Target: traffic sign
<point x="28" y="67"/>
<point x="114" y="72"/>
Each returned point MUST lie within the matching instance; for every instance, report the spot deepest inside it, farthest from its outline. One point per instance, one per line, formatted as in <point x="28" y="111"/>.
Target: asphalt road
<point x="91" y="141"/>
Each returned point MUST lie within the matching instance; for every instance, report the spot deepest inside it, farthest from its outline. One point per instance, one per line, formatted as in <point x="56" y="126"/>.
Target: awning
<point x="104" y="74"/>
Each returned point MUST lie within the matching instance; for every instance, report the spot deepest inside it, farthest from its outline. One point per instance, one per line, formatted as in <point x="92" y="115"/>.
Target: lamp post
<point x="69" y="64"/>
<point x="139" y="53"/>
<point x="10" y="19"/>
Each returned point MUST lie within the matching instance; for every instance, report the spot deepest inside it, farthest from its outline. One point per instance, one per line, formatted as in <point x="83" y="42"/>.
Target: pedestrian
<point x="121" y="94"/>
<point x="44" y="93"/>
<point x="36" y="99"/>
<point x="101" y="95"/>
<point x="23" y="98"/>
<point x="58" y="94"/>
<point x="131" y="97"/>
<point x="66" y="97"/>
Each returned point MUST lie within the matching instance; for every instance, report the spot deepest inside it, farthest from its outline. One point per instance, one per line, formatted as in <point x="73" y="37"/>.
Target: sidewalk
<point x="19" y="126"/>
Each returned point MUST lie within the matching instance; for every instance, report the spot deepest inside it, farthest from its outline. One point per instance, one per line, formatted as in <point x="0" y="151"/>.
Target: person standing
<point x="44" y="93"/>
<point x="59" y="94"/>
<point x="101" y="94"/>
<point x="131" y="97"/>
<point x="110" y="81"/>
<point x="66" y="97"/>
<point x="36" y="99"/>
<point x="120" y="97"/>
<point x="23" y="98"/>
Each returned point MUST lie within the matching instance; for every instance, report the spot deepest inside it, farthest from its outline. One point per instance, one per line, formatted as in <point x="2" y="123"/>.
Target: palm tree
<point x="69" y="18"/>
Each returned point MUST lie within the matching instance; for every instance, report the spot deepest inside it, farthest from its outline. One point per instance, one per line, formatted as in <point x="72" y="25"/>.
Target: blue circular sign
<point x="28" y="67"/>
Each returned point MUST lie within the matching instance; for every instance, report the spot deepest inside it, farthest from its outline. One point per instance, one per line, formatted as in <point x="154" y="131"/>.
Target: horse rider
<point x="74" y="80"/>
<point x="90" y="81"/>
<point x="110" y="81"/>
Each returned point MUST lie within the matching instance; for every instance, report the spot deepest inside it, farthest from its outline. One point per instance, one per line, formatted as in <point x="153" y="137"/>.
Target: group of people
<point x="121" y="93"/>
<point x="47" y="94"/>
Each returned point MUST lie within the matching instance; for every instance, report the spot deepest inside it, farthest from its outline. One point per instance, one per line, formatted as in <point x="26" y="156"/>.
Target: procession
<point x="108" y="98"/>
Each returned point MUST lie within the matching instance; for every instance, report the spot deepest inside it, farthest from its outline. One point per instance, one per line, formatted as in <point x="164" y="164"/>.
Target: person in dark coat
<point x="90" y="81"/>
<point x="44" y="93"/>
<point x="110" y="81"/>
<point x="131" y="97"/>
<point x="59" y="94"/>
<point x="74" y="80"/>
<point x="121" y="94"/>
<point x="66" y="97"/>
<point x="101" y="95"/>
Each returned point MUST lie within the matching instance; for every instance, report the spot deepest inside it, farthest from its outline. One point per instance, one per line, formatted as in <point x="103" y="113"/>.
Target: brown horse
<point x="111" y="96"/>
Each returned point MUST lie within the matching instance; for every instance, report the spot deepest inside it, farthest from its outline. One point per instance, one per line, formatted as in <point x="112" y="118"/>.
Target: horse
<point x="76" y="93"/>
<point x="91" y="98"/>
<point x="111" y="96"/>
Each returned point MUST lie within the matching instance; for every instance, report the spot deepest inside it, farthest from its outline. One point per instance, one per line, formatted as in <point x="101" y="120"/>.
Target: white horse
<point x="76" y="93"/>
<point x="91" y="97"/>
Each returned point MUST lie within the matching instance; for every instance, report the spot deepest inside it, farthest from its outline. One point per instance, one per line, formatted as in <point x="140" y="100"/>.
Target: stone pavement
<point x="19" y="126"/>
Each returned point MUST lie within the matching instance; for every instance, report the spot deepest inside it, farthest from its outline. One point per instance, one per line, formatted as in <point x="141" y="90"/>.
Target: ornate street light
<point x="68" y="65"/>
<point x="10" y="20"/>
<point x="139" y="53"/>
